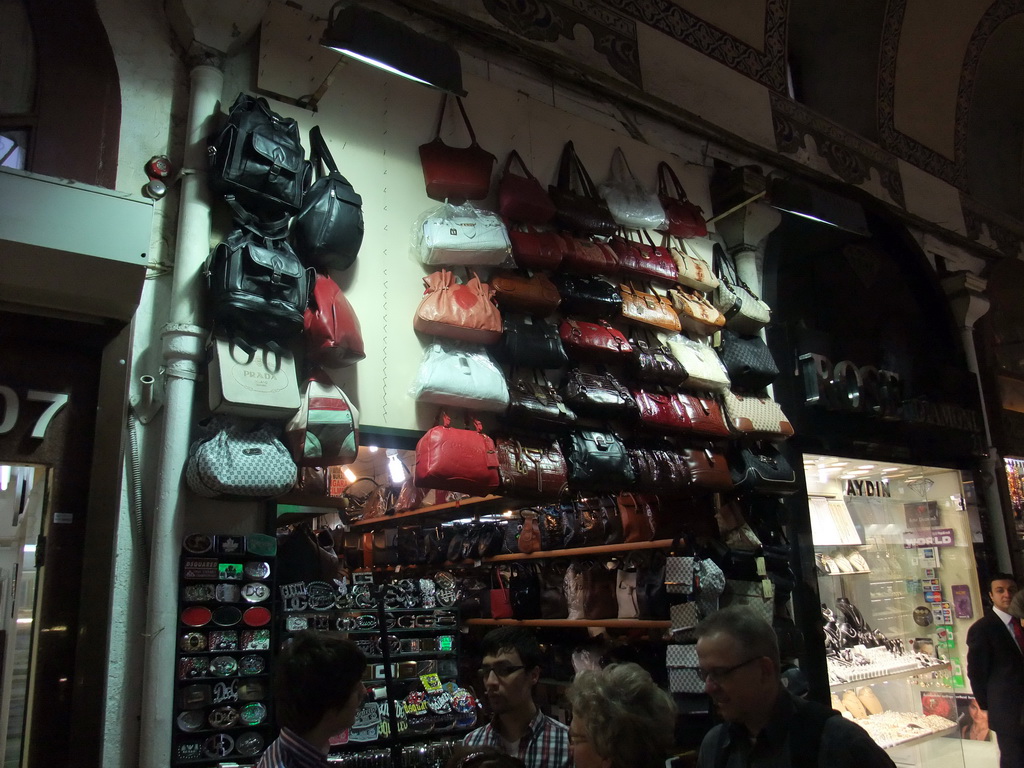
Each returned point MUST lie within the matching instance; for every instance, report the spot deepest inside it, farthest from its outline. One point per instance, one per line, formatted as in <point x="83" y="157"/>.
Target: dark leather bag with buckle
<point x="588" y="296"/>
<point x="593" y="342"/>
<point x="535" y="401"/>
<point x="599" y="395"/>
<point x="531" y="342"/>
<point x="704" y="414"/>
<point x="530" y="467"/>
<point x="708" y="469"/>
<point x="597" y="462"/>
<point x="762" y="468"/>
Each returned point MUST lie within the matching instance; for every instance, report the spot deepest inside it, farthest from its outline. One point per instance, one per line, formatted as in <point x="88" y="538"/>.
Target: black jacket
<point x="995" y="666"/>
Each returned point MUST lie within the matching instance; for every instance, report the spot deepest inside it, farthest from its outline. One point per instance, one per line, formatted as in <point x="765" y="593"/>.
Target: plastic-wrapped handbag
<point x="631" y="205"/>
<point x="461" y="378"/>
<point x="705" y="372"/>
<point x="461" y="235"/>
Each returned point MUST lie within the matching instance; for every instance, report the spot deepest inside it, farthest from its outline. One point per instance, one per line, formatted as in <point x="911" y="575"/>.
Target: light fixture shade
<point x="381" y="41"/>
<point x="817" y="204"/>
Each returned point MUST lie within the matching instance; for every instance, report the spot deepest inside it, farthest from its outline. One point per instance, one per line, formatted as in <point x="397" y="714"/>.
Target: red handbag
<point x="704" y="414"/>
<point x="637" y="524"/>
<point x="590" y="257"/>
<point x="332" y="333"/>
<point x="463" y="311"/>
<point x="684" y="218"/>
<point x="451" y="459"/>
<point x="501" y="599"/>
<point x="660" y="411"/>
<point x="456" y="173"/>
<point x="593" y="342"/>
<point x="539" y="250"/>
<point x="522" y="199"/>
<point x="646" y="261"/>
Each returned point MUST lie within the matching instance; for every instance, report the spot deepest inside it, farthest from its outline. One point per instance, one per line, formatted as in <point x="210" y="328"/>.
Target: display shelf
<point x="923" y="737"/>
<point x="603" y="549"/>
<point x="620" y="623"/>
<point x="850" y="573"/>
<point x="890" y="676"/>
<point x="318" y="504"/>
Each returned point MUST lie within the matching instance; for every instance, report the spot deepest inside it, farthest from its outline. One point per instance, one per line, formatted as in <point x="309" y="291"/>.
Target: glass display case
<point x="899" y="590"/>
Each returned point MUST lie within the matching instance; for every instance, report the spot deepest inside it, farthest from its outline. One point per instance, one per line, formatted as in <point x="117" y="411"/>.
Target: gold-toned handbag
<point x="696" y="314"/>
<point x="650" y="309"/>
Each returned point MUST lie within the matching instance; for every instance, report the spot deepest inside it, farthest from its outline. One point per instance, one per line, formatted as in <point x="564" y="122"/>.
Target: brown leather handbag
<point x="598" y="585"/>
<point x="708" y="469"/>
<point x="593" y="342"/>
<point x="696" y="313"/>
<point x="590" y="257"/>
<point x="650" y="309"/>
<point x="529" y="534"/>
<point x="463" y="311"/>
<point x="637" y="524"/>
<point x="538" y="250"/>
<point x="456" y="173"/>
<point x="530" y="467"/>
<point x="526" y="293"/>
<point x="704" y="414"/>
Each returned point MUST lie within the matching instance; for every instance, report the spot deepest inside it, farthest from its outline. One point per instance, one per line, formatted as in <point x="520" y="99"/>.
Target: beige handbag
<point x="694" y="268"/>
<point x="759" y="417"/>
<point x="696" y="313"/>
<point x="259" y="383"/>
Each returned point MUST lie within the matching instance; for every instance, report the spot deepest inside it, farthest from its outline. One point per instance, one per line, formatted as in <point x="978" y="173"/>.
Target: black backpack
<point x="328" y="230"/>
<point x="258" y="288"/>
<point x="258" y="158"/>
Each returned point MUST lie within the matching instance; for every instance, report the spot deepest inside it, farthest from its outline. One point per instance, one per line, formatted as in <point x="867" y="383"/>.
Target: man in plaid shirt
<point x="510" y="670"/>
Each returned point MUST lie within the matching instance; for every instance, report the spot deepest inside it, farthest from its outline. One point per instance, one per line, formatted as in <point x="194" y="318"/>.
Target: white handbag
<point x="693" y="260"/>
<point x="704" y="369"/>
<point x="631" y="205"/>
<point x="260" y="383"/>
<point x="744" y="310"/>
<point x="461" y="378"/>
<point x="759" y="417"/>
<point x="461" y="235"/>
<point x="625" y="594"/>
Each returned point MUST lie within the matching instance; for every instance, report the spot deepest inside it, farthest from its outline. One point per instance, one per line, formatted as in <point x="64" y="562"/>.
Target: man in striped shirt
<point x="511" y="668"/>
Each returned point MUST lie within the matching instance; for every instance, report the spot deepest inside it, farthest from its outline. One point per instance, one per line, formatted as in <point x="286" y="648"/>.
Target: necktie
<point x="1018" y="632"/>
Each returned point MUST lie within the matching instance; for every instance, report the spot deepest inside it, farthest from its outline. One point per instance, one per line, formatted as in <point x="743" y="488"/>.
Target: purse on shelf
<point x="463" y="235"/>
<point x="594" y="342"/>
<point x="598" y="588"/>
<point x="582" y="212"/>
<point x="630" y="203"/>
<point x="522" y="199"/>
<point x="652" y="362"/>
<point x="597" y="461"/>
<point x="553" y="603"/>
<point x="500" y="597"/>
<point x="530" y="467"/>
<point x="637" y="524"/>
<point x="658" y="469"/>
<point x="528" y="541"/>
<point x="532" y="294"/>
<point x="456" y="173"/>
<point x="660" y="411"/>
<point x="644" y="261"/>
<point x="761" y="468"/>
<point x="524" y="587"/>
<point x="452" y="459"/>
<point x="625" y="593"/>
<point x="589" y="296"/>
<point x="650" y="309"/>
<point x="705" y="372"/>
<point x="331" y="329"/>
<point x="693" y="260"/>
<point x="538" y="250"/>
<point x="757" y="417"/>
<point x="696" y="314"/>
<point x="587" y="256"/>
<point x="704" y="415"/>
<point x="461" y="311"/>
<point x="708" y="469"/>
<point x="536" y="402"/>
<point x="460" y="378"/>
<point x="682" y="218"/>
<point x="531" y="342"/>
<point x="744" y="311"/>
<point x="598" y="395"/>
<point x="748" y="361"/>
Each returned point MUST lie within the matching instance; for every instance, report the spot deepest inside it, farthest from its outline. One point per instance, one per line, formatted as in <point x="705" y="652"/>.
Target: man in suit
<point x="995" y="666"/>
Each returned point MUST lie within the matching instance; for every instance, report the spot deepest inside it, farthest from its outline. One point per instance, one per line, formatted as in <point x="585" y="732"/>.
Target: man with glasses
<point x="765" y="725"/>
<point x="510" y="670"/>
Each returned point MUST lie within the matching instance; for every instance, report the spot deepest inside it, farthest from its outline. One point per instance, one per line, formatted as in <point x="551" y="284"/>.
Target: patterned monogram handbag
<point x="759" y="417"/>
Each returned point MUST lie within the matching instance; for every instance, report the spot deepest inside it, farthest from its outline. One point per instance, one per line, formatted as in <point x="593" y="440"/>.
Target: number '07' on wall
<point x="10" y="408"/>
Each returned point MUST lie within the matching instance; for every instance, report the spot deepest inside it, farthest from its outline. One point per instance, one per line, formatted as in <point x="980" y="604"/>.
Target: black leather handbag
<point x="598" y="395"/>
<point x="580" y="212"/>
<point x="328" y="229"/>
<point x="533" y="401"/>
<point x="750" y="364"/>
<point x="597" y="462"/>
<point x="552" y="534"/>
<point x="761" y="468"/>
<point x="524" y="591"/>
<point x="653" y="363"/>
<point x="588" y="296"/>
<point x="590" y="521"/>
<point x="531" y="342"/>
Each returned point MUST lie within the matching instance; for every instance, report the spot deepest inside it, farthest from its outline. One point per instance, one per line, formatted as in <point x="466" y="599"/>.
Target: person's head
<point x="1001" y="589"/>
<point x="318" y="682"/>
<point x="482" y="757"/>
<point x="620" y="719"/>
<point x="1017" y="606"/>
<point x="977" y="714"/>
<point x="510" y="668"/>
<point x="738" y="656"/>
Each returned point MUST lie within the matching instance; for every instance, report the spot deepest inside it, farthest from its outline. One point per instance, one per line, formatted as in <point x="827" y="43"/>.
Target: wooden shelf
<point x="618" y="623"/>
<point x="603" y="549"/>
<point x="316" y="504"/>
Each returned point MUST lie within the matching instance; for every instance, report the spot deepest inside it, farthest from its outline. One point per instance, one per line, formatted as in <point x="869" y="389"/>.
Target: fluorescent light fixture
<point x="349" y="474"/>
<point x="866" y="466"/>
<point x="5" y="476"/>
<point x="29" y="548"/>
<point x="817" y="204"/>
<point x="396" y="469"/>
<point x="383" y="42"/>
<point x="372" y="448"/>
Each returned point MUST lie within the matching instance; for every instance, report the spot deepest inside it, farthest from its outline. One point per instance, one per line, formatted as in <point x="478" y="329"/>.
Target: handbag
<point x="693" y="268"/>
<point x="530" y="294"/>
<point x="324" y="432"/>
<point x="756" y="596"/>
<point x="658" y="469"/>
<point x="631" y="205"/>
<point x="525" y="591"/>
<point x="748" y="361"/>
<point x="586" y="256"/>
<point x="588" y="296"/>
<point x="708" y="469"/>
<point x="644" y="261"/>
<point x="328" y="229"/>
<point x="537" y="402"/>
<point x="597" y="585"/>
<point x="598" y="395"/>
<point x="679" y="574"/>
<point x="531" y="342"/>
<point x="461" y="378"/>
<point x="452" y="459"/>
<point x="705" y="372"/>
<point x="636" y="522"/>
<point x="462" y="311"/>
<point x="696" y="314"/>
<point x="589" y="518"/>
<point x="538" y="250"/>
<point x="660" y="411"/>
<point x="456" y="173"/>
<point x="522" y="198"/>
<point x="229" y="460"/>
<point x="582" y="212"/>
<point x="625" y="594"/>
<point x="593" y="342"/>
<point x="761" y="468"/>
<point x="553" y="603"/>
<point x="529" y="540"/>
<point x="501" y="600"/>
<point x="652" y="600"/>
<point x="703" y="414"/>
<point x="552" y="531"/>
<point x="332" y="332"/>
<point x="258" y="382"/>
<point x="648" y="309"/>
<point x="461" y="235"/>
<point x="682" y="218"/>
<point x="530" y="467"/>
<point x="744" y="311"/>
<point x="597" y="461"/>
<point x="653" y="363"/>
<point x="752" y="416"/>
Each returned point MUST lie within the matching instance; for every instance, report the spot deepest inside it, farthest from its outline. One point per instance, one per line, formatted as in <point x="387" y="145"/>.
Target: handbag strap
<point x="319" y="153"/>
<point x="665" y="174"/>
<point x="620" y="164"/>
<point x="723" y="264"/>
<point x="513" y="155"/>
<point x="570" y="162"/>
<point x="465" y="118"/>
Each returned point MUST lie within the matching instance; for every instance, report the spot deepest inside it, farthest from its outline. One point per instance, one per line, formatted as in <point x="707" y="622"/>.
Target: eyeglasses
<point x="501" y="670"/>
<point x="718" y="674"/>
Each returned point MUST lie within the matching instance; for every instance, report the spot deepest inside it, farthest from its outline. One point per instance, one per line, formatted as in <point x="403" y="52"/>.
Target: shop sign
<point x="879" y="488"/>
<point x="935" y="537"/>
<point x="11" y="409"/>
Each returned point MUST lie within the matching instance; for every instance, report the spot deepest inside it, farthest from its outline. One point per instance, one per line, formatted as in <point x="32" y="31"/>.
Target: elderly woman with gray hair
<point x="620" y="719"/>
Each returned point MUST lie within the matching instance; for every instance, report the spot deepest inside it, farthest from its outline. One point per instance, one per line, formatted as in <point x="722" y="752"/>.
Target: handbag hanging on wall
<point x="597" y="462"/>
<point x="461" y="311"/>
<point x="583" y="212"/>
<point x="744" y="311"/>
<point x="703" y="366"/>
<point x="534" y="401"/>
<point x="531" y="342"/>
<point x="599" y="395"/>
<point x="648" y="308"/>
<point x="594" y="342"/>
<point x="460" y="378"/>
<point x="644" y="261"/>
<point x="531" y="467"/>
<point x="501" y="599"/>
<point x="756" y="417"/>
<point x="522" y="199"/>
<point x="230" y="460"/>
<point x="325" y="430"/>
<point x="456" y="173"/>
<point x="333" y="336"/>
<point x="538" y="250"/>
<point x="452" y="459"/>
<point x="252" y="381"/>
<point x="532" y="294"/>
<point x="588" y="296"/>
<point x="761" y="468"/>
<point x="696" y="314"/>
<point x="463" y="235"/>
<point x="750" y="364"/>
<point x="588" y="256"/>
<point x="693" y="260"/>
<point x="631" y="204"/>
<point x="682" y="218"/>
<point x="651" y="362"/>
